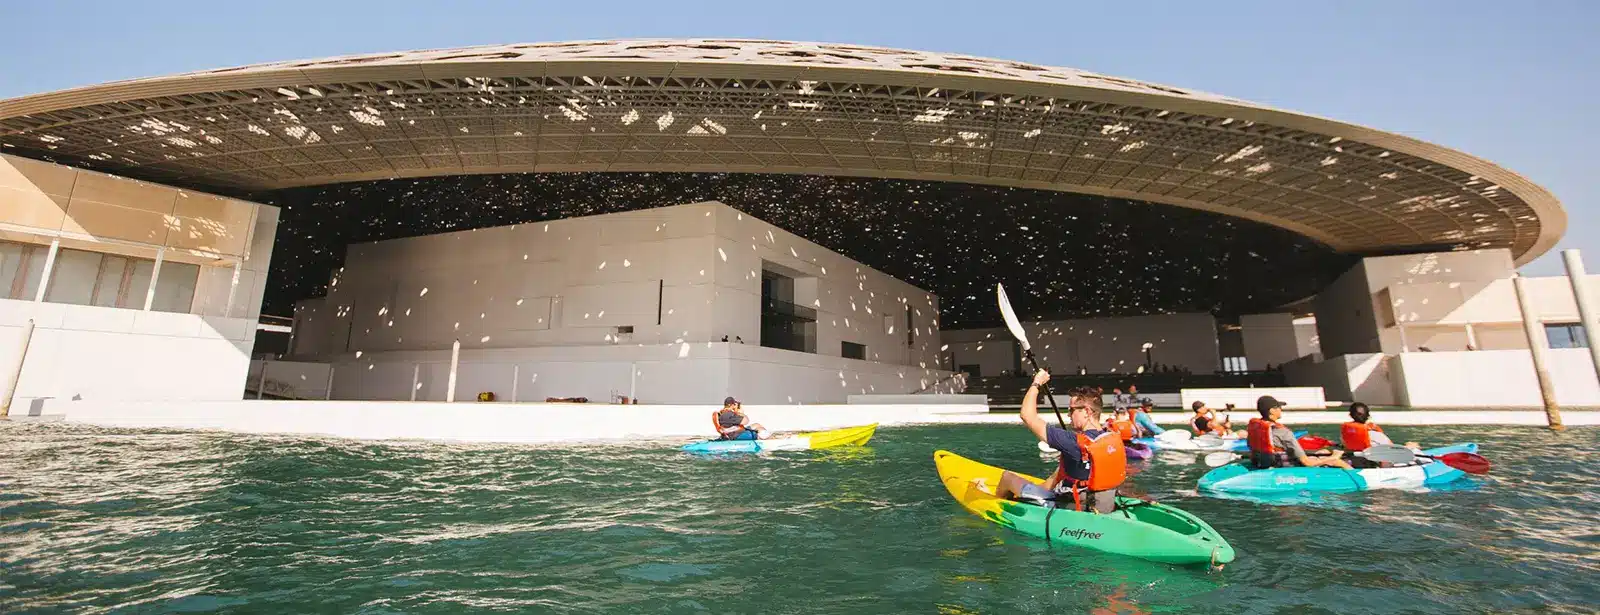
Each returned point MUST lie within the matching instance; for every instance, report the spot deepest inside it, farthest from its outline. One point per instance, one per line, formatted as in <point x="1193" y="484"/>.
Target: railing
<point x="791" y="310"/>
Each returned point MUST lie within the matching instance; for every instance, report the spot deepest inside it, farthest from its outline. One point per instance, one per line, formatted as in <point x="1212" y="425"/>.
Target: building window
<point x="852" y="350"/>
<point x="911" y="335"/>
<point x="1235" y="365"/>
<point x="1566" y="335"/>
<point x="21" y="266"/>
<point x="81" y="277"/>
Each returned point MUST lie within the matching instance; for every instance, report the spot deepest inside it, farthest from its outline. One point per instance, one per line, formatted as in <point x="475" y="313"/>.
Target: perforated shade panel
<point x="719" y="105"/>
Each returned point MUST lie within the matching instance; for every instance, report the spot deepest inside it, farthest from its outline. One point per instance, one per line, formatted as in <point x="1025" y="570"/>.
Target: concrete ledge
<point x="1245" y="398"/>
<point x="482" y="422"/>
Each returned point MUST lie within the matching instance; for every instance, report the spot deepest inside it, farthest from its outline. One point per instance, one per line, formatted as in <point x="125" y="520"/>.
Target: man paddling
<point x="1273" y="446"/>
<point x="1093" y="463"/>
<point x="732" y="423"/>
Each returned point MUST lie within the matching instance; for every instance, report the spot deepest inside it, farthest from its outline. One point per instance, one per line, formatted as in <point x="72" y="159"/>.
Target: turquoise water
<point x="124" y="521"/>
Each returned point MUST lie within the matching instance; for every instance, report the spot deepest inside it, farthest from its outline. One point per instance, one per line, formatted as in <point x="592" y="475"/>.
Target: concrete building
<point x="136" y="291"/>
<point x="680" y="304"/>
<point x="617" y="306"/>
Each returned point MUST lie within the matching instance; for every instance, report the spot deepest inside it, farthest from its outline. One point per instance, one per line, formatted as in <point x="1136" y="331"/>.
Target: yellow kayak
<point x="848" y="436"/>
<point x="1141" y="529"/>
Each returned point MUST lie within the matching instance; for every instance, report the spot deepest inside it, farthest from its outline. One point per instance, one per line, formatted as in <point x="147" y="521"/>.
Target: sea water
<point x="139" y="521"/>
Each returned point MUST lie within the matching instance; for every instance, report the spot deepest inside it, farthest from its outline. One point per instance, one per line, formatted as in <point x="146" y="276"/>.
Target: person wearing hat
<point x="1141" y="417"/>
<point x="733" y="424"/>
<point x="1205" y="421"/>
<point x="1273" y="446"/>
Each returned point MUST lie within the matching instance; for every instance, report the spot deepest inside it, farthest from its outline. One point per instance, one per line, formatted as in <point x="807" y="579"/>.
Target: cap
<point x="1266" y="403"/>
<point x="1197" y="405"/>
<point x="729" y="401"/>
<point x="1146" y="403"/>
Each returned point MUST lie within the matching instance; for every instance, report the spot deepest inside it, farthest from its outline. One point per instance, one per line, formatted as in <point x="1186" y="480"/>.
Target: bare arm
<point x="1030" y="406"/>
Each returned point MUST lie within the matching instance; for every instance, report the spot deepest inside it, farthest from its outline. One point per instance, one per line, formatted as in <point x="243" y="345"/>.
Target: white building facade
<point x="136" y="291"/>
<point x="682" y="304"/>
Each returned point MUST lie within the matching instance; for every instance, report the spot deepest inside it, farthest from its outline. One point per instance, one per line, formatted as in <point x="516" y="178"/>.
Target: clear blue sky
<point x="1506" y="81"/>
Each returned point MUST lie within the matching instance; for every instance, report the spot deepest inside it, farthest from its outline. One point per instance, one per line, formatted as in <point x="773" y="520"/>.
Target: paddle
<point x="1220" y="458"/>
<point x="1015" y="326"/>
<point x="1471" y="463"/>
<point x="1173" y="435"/>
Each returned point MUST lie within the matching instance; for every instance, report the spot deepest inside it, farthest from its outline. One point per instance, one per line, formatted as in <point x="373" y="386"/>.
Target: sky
<point x="1504" y="81"/>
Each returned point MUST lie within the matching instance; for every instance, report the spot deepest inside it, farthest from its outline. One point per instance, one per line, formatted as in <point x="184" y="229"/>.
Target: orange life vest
<point x="1123" y="428"/>
<point x="1107" y="461"/>
<point x="1357" y="436"/>
<point x="1258" y="434"/>
<point x="726" y="431"/>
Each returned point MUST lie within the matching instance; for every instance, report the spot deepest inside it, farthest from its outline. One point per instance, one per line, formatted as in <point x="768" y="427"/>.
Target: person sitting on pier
<point x="1093" y="463"/>
<point x="733" y="424"/>
<point x="1273" y="446"/>
<point x="1141" y="417"/>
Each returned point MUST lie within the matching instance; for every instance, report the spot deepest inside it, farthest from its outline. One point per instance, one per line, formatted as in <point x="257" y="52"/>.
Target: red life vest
<point x="1259" y="435"/>
<point x="727" y="422"/>
<point x="1357" y="436"/>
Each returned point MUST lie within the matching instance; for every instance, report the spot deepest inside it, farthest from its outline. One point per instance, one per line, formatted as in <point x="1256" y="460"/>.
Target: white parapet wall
<point x="683" y="373"/>
<point x="1493" y="379"/>
<point x="482" y="422"/>
<point x="1380" y="416"/>
<point x="1245" y="398"/>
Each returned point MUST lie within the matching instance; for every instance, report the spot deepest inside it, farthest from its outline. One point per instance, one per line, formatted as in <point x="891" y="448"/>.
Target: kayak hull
<point x="849" y="436"/>
<point x="1237" y="478"/>
<point x="1150" y="531"/>
<point x="1201" y="445"/>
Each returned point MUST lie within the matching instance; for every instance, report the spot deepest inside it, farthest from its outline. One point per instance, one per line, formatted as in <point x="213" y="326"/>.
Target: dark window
<point x="911" y="333"/>
<point x="852" y="350"/>
<point x="1566" y="335"/>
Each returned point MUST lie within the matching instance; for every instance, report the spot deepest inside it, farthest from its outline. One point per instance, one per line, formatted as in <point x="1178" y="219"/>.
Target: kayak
<point x="1238" y="478"/>
<point x="849" y="436"/>
<point x="1140" y="529"/>
<point x="1203" y="444"/>
<point x="1134" y="450"/>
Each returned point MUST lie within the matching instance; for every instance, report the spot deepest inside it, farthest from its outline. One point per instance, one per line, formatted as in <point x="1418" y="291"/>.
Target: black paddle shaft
<point x="1028" y="354"/>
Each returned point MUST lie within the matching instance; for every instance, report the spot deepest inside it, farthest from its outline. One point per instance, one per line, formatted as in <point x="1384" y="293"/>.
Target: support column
<point x="261" y="383"/>
<point x="1580" y="295"/>
<point x="1472" y="338"/>
<point x="1536" y="346"/>
<point x="155" y="274"/>
<point x="328" y="392"/>
<point x="455" y="363"/>
<point x="49" y="267"/>
<point x="233" y="289"/>
<point x="16" y="373"/>
<point x="416" y="379"/>
<point x="516" y="378"/>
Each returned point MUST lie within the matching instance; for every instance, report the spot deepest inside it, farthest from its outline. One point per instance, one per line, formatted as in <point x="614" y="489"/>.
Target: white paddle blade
<point x="1010" y="317"/>
<point x="1174" y="435"/>
<point x="1219" y="459"/>
<point x="1397" y="455"/>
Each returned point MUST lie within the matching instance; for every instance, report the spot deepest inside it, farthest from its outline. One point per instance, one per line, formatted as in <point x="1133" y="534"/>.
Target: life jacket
<point x="1357" y="436"/>
<point x="1107" y="461"/>
<point x="1201" y="424"/>
<point x="1124" y="428"/>
<point x="727" y="422"/>
<point x="1258" y="434"/>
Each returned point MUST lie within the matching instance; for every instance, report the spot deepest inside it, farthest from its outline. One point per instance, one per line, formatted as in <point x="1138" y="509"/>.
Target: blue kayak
<point x="1237" y="478"/>
<point x="849" y="436"/>
<point x="1203" y="444"/>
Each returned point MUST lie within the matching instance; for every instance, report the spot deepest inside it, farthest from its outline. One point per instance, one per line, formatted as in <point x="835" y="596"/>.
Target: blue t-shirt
<point x="1071" y="455"/>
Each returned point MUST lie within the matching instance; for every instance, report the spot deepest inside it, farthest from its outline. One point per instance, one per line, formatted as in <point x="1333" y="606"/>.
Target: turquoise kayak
<point x="1238" y="478"/>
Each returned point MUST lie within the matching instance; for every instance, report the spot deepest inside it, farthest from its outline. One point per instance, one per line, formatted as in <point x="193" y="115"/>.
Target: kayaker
<point x="1205" y="421"/>
<point x="733" y="424"/>
<point x="1273" y="446"/>
<point x="1361" y="433"/>
<point x="1123" y="424"/>
<point x="1141" y="417"/>
<point x="1093" y="463"/>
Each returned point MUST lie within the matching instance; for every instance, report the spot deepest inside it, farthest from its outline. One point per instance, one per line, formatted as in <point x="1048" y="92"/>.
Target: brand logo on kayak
<point x="1291" y="480"/>
<point x="1079" y="533"/>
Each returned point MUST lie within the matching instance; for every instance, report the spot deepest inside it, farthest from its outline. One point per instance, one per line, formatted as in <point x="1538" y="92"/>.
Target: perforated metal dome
<point x="726" y="105"/>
